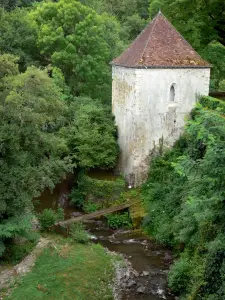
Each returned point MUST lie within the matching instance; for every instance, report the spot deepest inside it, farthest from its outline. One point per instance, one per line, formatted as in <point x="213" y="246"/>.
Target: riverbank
<point x="68" y="270"/>
<point x="137" y="267"/>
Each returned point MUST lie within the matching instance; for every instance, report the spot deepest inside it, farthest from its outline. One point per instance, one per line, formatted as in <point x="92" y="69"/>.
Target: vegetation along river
<point x="149" y="261"/>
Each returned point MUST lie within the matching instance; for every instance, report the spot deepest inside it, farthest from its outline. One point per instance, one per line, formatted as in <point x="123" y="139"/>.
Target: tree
<point x="81" y="43"/>
<point x="12" y="4"/>
<point x="91" y="134"/>
<point x="132" y="14"/>
<point x="18" y="37"/>
<point x="214" y="52"/>
<point x="32" y="155"/>
<point x="133" y="25"/>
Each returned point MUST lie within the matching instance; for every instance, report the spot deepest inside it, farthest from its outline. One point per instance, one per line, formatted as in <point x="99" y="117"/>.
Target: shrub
<point x="77" y="197"/>
<point x="2" y="248"/>
<point x="179" y="275"/>
<point x="90" y="207"/>
<point x="212" y="103"/>
<point x="95" y="190"/>
<point x="60" y="214"/>
<point x="49" y="217"/>
<point x="78" y="233"/>
<point x="14" y="253"/>
<point x="116" y="221"/>
<point x="222" y="85"/>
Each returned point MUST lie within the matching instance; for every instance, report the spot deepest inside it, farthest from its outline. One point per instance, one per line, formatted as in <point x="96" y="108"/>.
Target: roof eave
<point x="161" y="67"/>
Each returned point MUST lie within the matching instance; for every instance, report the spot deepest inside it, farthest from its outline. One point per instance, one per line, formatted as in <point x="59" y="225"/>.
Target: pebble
<point x="145" y="273"/>
<point x="141" y="290"/>
<point x="131" y="283"/>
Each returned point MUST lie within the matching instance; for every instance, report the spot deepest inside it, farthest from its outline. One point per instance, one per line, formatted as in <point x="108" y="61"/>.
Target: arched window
<point x="172" y="93"/>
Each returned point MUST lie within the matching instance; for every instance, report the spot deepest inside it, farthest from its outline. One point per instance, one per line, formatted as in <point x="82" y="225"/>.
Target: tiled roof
<point x="160" y="45"/>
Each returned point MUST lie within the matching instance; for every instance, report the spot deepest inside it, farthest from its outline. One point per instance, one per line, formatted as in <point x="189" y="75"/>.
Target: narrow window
<point x="172" y="93"/>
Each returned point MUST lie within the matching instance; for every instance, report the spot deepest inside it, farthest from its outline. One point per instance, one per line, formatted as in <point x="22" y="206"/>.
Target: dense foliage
<point x="81" y="43"/>
<point x="132" y="14"/>
<point x="48" y="217"/>
<point x="31" y="151"/>
<point x="42" y="136"/>
<point x="96" y="192"/>
<point x="91" y="134"/>
<point x="184" y="196"/>
<point x="55" y="91"/>
<point x="119" y="220"/>
<point x="82" y="37"/>
<point x="78" y="233"/>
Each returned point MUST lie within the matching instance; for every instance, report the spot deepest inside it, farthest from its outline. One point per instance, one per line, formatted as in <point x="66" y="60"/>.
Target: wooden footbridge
<point x="95" y="214"/>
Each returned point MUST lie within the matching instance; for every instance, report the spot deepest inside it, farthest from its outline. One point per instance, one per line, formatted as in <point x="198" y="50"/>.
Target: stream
<point x="149" y="261"/>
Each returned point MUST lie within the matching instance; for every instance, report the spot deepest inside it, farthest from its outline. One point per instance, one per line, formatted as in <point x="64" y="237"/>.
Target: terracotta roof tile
<point x="160" y="45"/>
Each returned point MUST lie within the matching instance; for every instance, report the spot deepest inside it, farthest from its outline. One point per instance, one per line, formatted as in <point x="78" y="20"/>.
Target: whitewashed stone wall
<point x="145" y="115"/>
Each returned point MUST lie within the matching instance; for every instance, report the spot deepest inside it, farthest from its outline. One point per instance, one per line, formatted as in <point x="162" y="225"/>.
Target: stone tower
<point x="156" y="83"/>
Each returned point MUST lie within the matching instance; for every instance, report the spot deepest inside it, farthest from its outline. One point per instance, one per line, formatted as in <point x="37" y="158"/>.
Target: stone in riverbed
<point x="131" y="283"/>
<point x="141" y="290"/>
<point x="145" y="273"/>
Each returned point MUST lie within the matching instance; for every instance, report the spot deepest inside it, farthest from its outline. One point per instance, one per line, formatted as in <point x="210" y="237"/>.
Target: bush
<point x="60" y="214"/>
<point x="222" y="85"/>
<point x="95" y="190"/>
<point x="179" y="275"/>
<point x="78" y="233"/>
<point x="2" y="248"/>
<point x="14" y="253"/>
<point x="212" y="103"/>
<point x="77" y="197"/>
<point x="49" y="217"/>
<point x="116" y="221"/>
<point x="90" y="207"/>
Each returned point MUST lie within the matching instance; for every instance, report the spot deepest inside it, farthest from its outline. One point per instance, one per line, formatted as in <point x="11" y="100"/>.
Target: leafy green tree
<point x="12" y="4"/>
<point x="222" y="85"/>
<point x="132" y="14"/>
<point x="154" y="7"/>
<point x="91" y="134"/>
<point x="8" y="4"/>
<point x="18" y="37"/>
<point x="81" y="43"/>
<point x="32" y="155"/>
<point x="215" y="52"/>
<point x="133" y="25"/>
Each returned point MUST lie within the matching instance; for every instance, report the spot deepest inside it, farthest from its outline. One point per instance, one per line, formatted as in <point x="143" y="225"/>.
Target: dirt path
<point x="8" y="276"/>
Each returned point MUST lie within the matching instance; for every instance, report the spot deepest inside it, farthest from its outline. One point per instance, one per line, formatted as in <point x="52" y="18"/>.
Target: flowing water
<point x="150" y="261"/>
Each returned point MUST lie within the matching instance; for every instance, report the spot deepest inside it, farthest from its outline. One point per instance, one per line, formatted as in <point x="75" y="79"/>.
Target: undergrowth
<point x="119" y="220"/>
<point x="78" y="233"/>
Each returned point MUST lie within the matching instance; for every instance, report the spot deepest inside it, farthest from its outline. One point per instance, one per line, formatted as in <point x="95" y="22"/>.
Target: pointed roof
<point x="160" y="45"/>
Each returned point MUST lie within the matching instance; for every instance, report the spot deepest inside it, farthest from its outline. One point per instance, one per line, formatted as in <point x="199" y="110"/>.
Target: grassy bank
<point x="66" y="270"/>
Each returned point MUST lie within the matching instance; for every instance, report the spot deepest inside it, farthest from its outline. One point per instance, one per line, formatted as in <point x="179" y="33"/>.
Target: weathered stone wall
<point x="145" y="114"/>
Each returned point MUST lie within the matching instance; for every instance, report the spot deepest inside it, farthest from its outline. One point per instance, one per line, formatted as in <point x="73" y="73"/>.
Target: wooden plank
<point x="95" y="214"/>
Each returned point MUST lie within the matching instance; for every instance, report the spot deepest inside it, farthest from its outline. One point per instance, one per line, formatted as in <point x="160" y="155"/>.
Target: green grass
<point x="68" y="271"/>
